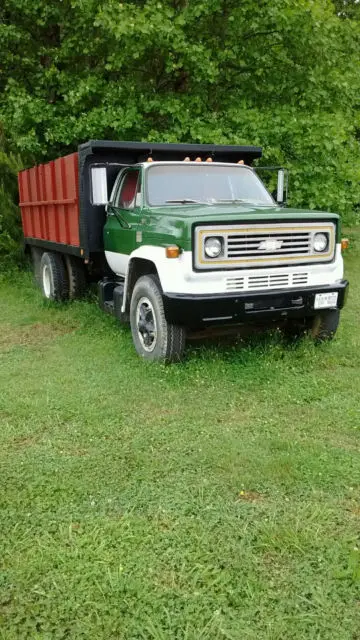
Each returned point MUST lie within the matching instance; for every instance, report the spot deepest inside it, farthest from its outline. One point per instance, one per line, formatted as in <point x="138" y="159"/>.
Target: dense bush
<point x="277" y="73"/>
<point x="10" y="227"/>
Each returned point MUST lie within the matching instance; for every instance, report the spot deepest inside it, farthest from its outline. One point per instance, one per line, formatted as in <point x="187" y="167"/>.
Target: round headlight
<point x="320" y="242"/>
<point x="213" y="247"/>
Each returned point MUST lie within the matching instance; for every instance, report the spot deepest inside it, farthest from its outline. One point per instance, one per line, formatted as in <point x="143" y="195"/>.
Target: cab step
<point x="111" y="293"/>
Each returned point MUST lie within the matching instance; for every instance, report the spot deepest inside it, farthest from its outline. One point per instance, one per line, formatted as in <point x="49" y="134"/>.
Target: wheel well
<point x="138" y="267"/>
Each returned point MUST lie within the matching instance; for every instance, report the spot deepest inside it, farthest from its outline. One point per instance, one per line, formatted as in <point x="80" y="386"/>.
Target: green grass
<point x="217" y="499"/>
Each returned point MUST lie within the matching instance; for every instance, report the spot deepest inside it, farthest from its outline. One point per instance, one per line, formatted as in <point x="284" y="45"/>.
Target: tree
<point x="347" y="9"/>
<point x="272" y="72"/>
<point x="10" y="229"/>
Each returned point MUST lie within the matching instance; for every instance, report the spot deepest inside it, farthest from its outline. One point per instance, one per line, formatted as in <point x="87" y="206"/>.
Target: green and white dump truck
<point x="180" y="238"/>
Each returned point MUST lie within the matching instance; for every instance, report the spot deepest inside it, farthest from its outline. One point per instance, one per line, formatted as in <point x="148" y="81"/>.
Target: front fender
<point x="169" y="270"/>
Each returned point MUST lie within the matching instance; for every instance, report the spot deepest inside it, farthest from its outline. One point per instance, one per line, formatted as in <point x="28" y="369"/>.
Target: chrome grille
<point x="275" y="244"/>
<point x="292" y="243"/>
<point x="272" y="281"/>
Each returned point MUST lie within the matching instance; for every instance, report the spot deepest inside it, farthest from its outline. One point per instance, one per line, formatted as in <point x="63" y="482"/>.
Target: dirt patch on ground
<point x="353" y="507"/>
<point x="26" y="441"/>
<point x="73" y="452"/>
<point x="32" y="334"/>
<point x="249" y="496"/>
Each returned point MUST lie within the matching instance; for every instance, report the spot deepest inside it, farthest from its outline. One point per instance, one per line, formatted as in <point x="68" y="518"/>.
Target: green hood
<point x="175" y="223"/>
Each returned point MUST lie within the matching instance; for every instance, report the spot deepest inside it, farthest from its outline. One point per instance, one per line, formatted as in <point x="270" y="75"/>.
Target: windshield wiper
<point x="185" y="201"/>
<point x="239" y="200"/>
<point x="232" y="200"/>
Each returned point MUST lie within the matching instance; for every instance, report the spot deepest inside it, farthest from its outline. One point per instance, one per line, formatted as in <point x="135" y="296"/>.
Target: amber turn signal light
<point x="345" y="243"/>
<point x="172" y="251"/>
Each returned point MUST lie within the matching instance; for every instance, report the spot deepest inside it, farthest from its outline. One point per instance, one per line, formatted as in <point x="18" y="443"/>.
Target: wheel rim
<point x="146" y="324"/>
<point x="46" y="281"/>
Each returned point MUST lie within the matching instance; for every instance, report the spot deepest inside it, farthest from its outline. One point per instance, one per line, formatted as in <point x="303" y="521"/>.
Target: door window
<point x="129" y="194"/>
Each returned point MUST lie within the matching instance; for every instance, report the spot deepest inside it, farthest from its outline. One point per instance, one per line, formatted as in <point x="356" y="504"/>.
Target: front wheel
<point x="154" y="338"/>
<point x="324" y="325"/>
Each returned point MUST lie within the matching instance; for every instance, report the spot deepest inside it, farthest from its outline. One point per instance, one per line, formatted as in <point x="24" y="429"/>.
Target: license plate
<point x="326" y="300"/>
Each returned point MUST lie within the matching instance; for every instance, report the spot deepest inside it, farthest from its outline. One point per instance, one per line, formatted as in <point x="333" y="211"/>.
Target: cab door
<point x="123" y="220"/>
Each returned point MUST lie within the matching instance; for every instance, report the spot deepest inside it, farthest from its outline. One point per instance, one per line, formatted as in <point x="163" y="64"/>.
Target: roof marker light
<point x="209" y="159"/>
<point x="187" y="159"/>
<point x="198" y="159"/>
<point x="149" y="159"/>
<point x="241" y="162"/>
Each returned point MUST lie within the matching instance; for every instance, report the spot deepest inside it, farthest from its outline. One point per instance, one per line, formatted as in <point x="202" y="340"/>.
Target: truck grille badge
<point x="270" y="244"/>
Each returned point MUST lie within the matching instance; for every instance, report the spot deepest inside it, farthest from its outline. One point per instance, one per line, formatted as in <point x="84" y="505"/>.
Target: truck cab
<point x="219" y="250"/>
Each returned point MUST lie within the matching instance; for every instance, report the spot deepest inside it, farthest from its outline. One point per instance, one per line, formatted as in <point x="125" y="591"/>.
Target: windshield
<point x="204" y="184"/>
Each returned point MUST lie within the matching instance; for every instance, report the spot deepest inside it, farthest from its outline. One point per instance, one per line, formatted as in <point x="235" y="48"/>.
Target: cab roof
<point x="138" y="152"/>
<point x="196" y="163"/>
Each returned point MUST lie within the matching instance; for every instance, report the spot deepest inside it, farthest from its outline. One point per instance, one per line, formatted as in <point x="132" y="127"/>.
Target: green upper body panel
<point x="128" y="228"/>
<point x="174" y="224"/>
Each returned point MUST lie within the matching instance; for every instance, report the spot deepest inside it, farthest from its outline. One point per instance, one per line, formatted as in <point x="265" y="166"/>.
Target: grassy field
<point x="217" y="499"/>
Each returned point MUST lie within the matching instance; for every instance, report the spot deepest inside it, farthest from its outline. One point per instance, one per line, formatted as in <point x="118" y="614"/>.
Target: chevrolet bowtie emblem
<point x="270" y="244"/>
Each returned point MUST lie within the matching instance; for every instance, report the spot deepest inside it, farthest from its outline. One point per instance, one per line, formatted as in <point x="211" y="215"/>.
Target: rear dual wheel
<point x="324" y="325"/>
<point x="321" y="328"/>
<point x="60" y="278"/>
<point x="53" y="277"/>
<point x="77" y="277"/>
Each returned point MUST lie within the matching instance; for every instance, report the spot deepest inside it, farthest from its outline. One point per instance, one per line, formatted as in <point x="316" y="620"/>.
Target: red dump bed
<point x="49" y="201"/>
<point x="58" y="207"/>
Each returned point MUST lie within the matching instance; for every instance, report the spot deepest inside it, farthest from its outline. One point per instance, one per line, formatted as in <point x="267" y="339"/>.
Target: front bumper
<point x="196" y="311"/>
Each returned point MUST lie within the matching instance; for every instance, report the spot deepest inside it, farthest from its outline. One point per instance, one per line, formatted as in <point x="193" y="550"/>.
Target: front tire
<point x="324" y="325"/>
<point x="53" y="277"/>
<point x="154" y="338"/>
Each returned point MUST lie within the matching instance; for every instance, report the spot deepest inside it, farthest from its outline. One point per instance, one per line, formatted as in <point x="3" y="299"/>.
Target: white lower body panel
<point x="178" y="276"/>
<point x="118" y="262"/>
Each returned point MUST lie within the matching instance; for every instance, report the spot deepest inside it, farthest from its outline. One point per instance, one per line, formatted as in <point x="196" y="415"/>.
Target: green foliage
<point x="10" y="228"/>
<point x="214" y="500"/>
<point x="281" y="74"/>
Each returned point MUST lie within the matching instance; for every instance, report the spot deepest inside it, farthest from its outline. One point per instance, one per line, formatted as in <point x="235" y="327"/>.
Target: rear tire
<point x="154" y="338"/>
<point x="53" y="277"/>
<point x="77" y="277"/>
<point x="324" y="325"/>
<point x="36" y="255"/>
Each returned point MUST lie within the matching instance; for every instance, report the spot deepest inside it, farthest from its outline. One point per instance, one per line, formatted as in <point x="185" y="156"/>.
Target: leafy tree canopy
<point x="277" y="73"/>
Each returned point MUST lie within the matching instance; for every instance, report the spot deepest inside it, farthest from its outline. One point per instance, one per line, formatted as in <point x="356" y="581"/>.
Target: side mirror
<point x="280" y="194"/>
<point x="280" y="187"/>
<point x="99" y="191"/>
